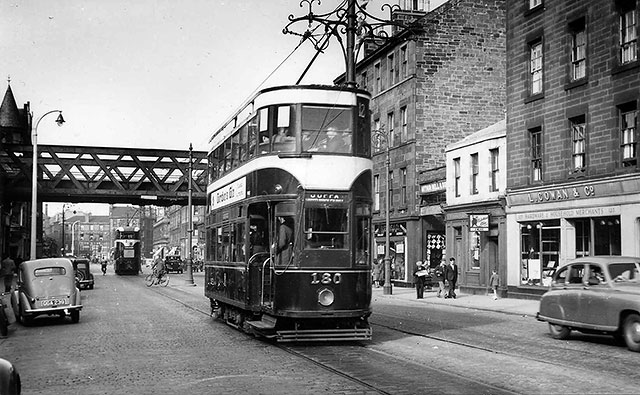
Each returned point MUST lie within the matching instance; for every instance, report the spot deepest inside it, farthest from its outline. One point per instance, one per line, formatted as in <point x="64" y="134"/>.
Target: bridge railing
<point x="104" y="174"/>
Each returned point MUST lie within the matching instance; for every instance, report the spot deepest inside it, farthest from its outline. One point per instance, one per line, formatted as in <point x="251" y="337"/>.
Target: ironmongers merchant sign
<point x="561" y="193"/>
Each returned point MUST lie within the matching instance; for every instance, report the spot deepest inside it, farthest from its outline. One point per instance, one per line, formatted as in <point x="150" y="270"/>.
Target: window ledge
<point x="533" y="98"/>
<point x="576" y="83"/>
<point x="532" y="11"/>
<point x="621" y="68"/>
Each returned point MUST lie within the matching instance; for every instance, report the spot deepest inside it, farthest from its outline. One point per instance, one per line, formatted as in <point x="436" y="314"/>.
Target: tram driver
<point x="284" y="244"/>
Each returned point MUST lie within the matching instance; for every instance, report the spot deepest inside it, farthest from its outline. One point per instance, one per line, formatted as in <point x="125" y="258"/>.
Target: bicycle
<point x="155" y="278"/>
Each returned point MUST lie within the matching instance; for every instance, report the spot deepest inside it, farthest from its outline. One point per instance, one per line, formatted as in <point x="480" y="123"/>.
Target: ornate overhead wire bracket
<point x="350" y="19"/>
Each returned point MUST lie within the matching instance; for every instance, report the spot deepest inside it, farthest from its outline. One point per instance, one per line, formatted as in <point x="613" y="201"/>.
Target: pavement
<point x="522" y="307"/>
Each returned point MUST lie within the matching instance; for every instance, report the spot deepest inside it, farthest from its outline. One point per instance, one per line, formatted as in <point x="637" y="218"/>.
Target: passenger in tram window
<point x="283" y="135"/>
<point x="334" y="142"/>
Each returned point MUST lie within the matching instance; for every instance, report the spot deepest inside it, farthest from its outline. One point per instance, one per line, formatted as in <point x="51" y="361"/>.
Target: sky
<point x="152" y="73"/>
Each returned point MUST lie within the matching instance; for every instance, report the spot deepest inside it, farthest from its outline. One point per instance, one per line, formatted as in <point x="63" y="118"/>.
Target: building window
<point x="413" y="5"/>
<point x="404" y="132"/>
<point x="363" y="81"/>
<point x="494" y="155"/>
<point x="391" y="69"/>
<point x="404" y="61"/>
<point x="628" y="34"/>
<point x="390" y="121"/>
<point x="456" y="175"/>
<point x="376" y="76"/>
<point x="376" y="196"/>
<point x="534" y="3"/>
<point x="578" y="50"/>
<point x="403" y="186"/>
<point x="628" y="136"/>
<point x="474" y="174"/>
<point x="535" y="66"/>
<point x="536" y="154"/>
<point x="578" y="143"/>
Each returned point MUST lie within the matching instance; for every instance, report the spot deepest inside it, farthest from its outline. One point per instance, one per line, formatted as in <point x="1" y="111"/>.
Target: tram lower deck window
<point x="326" y="227"/>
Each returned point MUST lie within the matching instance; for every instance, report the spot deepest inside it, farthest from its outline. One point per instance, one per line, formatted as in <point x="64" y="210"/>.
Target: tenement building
<point x="573" y="186"/>
<point x="429" y="89"/>
<point x="475" y="217"/>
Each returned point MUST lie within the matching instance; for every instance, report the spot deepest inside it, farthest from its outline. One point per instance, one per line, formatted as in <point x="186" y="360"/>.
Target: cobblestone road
<point x="132" y="340"/>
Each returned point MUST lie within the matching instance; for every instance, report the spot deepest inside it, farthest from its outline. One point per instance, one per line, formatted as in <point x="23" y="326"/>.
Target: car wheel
<point x="631" y="332"/>
<point x="75" y="316"/>
<point x="559" y="331"/>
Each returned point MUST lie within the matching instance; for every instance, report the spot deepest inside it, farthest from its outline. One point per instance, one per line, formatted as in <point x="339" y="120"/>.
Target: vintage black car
<point x="46" y="287"/>
<point x="82" y="269"/>
<point x="173" y="263"/>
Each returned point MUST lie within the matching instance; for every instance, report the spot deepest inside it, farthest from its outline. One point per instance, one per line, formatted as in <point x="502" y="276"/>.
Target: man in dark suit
<point x="451" y="275"/>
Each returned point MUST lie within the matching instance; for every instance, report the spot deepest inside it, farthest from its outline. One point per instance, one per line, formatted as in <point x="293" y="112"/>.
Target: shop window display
<point x="540" y="252"/>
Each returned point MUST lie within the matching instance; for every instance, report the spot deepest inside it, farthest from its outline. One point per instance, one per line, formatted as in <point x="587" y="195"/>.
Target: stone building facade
<point x="573" y="185"/>
<point x="428" y="90"/>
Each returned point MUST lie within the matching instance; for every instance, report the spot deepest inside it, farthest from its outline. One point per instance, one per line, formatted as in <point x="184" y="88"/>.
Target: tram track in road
<point x="374" y="370"/>
<point x="445" y="340"/>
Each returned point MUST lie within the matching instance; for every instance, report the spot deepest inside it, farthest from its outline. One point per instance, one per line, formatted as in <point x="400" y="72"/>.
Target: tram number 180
<point x="326" y="278"/>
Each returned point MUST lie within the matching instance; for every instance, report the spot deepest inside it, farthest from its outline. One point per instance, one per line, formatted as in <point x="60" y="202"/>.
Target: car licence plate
<point x="52" y="302"/>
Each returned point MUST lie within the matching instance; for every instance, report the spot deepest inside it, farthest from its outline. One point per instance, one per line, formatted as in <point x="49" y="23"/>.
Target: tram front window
<point x="326" y="129"/>
<point x="325" y="227"/>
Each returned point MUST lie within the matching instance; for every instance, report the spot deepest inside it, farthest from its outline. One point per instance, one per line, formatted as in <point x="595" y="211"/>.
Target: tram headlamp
<point x="277" y="189"/>
<point x="326" y="297"/>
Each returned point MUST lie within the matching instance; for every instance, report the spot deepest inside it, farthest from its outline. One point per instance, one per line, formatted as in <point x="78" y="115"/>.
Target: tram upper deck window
<point x="284" y="138"/>
<point x="252" y="135"/>
<point x="264" y="136"/>
<point x="325" y="227"/>
<point x="327" y="129"/>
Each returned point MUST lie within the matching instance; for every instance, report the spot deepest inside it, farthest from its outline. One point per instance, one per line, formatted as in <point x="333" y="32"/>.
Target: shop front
<point x="549" y="226"/>
<point x="477" y="237"/>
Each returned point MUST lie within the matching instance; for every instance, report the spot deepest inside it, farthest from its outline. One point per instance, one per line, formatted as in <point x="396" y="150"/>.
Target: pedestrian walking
<point x="104" y="266"/>
<point x="7" y="269"/>
<point x="438" y="275"/>
<point x="420" y="274"/>
<point x="377" y="272"/>
<point x="451" y="275"/>
<point x="494" y="283"/>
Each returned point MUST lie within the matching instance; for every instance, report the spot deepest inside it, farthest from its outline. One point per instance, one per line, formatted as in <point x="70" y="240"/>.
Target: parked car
<point x="83" y="274"/>
<point x="173" y="263"/>
<point x="9" y="379"/>
<point x="46" y="287"/>
<point x="595" y="295"/>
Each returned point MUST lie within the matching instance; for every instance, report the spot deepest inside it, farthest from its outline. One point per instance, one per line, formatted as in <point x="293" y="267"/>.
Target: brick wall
<point x="605" y="87"/>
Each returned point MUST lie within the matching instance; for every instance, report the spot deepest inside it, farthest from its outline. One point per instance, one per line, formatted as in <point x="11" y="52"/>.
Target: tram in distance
<point x="126" y="251"/>
<point x="288" y="219"/>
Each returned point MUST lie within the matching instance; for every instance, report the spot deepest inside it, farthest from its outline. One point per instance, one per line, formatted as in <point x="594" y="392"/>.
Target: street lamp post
<point x="34" y="180"/>
<point x="189" y="280"/>
<point x="73" y="238"/>
<point x="381" y="137"/>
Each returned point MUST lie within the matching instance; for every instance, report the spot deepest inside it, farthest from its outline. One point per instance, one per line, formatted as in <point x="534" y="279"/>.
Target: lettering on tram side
<point x="326" y="278"/>
<point x="229" y="193"/>
<point x="562" y="194"/>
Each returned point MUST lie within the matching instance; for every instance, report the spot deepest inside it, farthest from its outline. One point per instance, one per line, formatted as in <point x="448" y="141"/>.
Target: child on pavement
<point x="494" y="282"/>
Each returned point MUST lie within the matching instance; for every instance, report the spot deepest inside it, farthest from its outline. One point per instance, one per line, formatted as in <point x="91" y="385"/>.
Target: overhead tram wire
<point x="246" y="101"/>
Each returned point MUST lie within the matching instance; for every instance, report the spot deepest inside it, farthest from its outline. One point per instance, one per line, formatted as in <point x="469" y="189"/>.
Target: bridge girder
<point x="82" y="174"/>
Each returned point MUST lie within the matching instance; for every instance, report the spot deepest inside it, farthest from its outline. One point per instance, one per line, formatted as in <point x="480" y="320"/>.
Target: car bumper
<point x="53" y="310"/>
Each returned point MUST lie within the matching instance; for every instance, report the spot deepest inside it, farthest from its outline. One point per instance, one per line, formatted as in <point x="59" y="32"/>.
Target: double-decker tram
<point x="289" y="215"/>
<point x="126" y="250"/>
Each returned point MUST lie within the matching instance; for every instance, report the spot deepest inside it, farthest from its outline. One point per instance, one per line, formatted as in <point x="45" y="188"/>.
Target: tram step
<point x="267" y="322"/>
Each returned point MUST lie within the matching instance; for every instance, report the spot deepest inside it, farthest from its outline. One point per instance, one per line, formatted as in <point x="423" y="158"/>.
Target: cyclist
<point x="158" y="267"/>
<point x="103" y="264"/>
